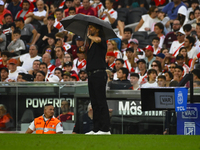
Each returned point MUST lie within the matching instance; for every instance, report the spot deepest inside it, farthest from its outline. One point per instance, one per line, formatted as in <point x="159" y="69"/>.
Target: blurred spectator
<point x="147" y="22"/>
<point x="127" y="33"/>
<point x="134" y="78"/>
<point x="6" y="121"/>
<point x="124" y="46"/>
<point x="151" y="77"/>
<point x="159" y="30"/>
<point x="183" y="51"/>
<point x="156" y="43"/>
<point x="58" y="72"/>
<point x="66" y="113"/>
<point x="110" y="59"/>
<point x="161" y="80"/>
<point x="171" y="36"/>
<point x="27" y="78"/>
<point x="69" y="4"/>
<point x="87" y="9"/>
<point x="180" y="62"/>
<point x="68" y="57"/>
<point x="19" y="77"/>
<point x="194" y="61"/>
<point x="50" y="50"/>
<point x="59" y="17"/>
<point x="98" y="5"/>
<point x="169" y="77"/>
<point x="119" y="63"/>
<point x="60" y="55"/>
<point x="172" y="67"/>
<point x="28" y="32"/>
<point x="176" y="45"/>
<point x="14" y="7"/>
<point x="53" y="8"/>
<point x="192" y="51"/>
<point x="149" y="56"/>
<point x="84" y="124"/>
<point x="164" y="20"/>
<point x="141" y="63"/>
<point x="196" y="18"/>
<point x="129" y="63"/>
<point x="196" y="74"/>
<point x="138" y="3"/>
<point x="2" y="39"/>
<point x="68" y="67"/>
<point x="43" y="67"/>
<point x="46" y="58"/>
<point x="112" y="46"/>
<point x="157" y="66"/>
<point x="109" y="14"/>
<point x="198" y="30"/>
<point x="36" y="67"/>
<point x="8" y="27"/>
<point x="16" y="46"/>
<point x="83" y="75"/>
<point x="80" y="61"/>
<point x="160" y="57"/>
<point x="66" y="76"/>
<point x="38" y="15"/>
<point x="13" y="73"/>
<point x="73" y="49"/>
<point x="77" y="3"/>
<point x="194" y="5"/>
<point x="4" y="58"/>
<point x="178" y="72"/>
<point x="53" y="78"/>
<point x="27" y="7"/>
<point x="40" y="76"/>
<point x="3" y="11"/>
<point x="110" y="76"/>
<point x="191" y="16"/>
<point x="182" y="15"/>
<point x="187" y="28"/>
<point x="74" y="77"/>
<point x="4" y="75"/>
<point x="122" y="74"/>
<point x="171" y="9"/>
<point x="27" y="59"/>
<point x="60" y="39"/>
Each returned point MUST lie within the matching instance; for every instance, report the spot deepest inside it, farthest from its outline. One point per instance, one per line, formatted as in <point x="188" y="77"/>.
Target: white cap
<point x="181" y="31"/>
<point x="53" y="78"/>
<point x="1" y="2"/>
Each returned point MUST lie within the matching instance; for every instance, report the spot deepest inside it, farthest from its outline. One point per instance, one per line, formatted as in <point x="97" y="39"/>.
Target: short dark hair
<point x="156" y="38"/>
<point x="43" y="63"/>
<point x="124" y="71"/>
<point x="6" y="15"/>
<point x="5" y="53"/>
<point x="196" y="72"/>
<point x="133" y="74"/>
<point x="191" y="39"/>
<point x="162" y="77"/>
<point x="170" y="74"/>
<point x="187" y="27"/>
<point x="111" y="1"/>
<point x="72" y="8"/>
<point x="17" y="31"/>
<point x="121" y="60"/>
<point x="58" y="9"/>
<point x="179" y="67"/>
<point x="125" y="41"/>
<point x="128" y="30"/>
<point x="60" y="48"/>
<point x="160" y="26"/>
<point x="198" y="24"/>
<point x="151" y="71"/>
<point x="47" y="105"/>
<point x="59" y="69"/>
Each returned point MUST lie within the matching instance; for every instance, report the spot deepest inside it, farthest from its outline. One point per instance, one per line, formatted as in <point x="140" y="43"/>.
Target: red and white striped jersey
<point x="51" y="68"/>
<point x="78" y="65"/>
<point x="66" y="47"/>
<point x="62" y="4"/>
<point x="58" y="25"/>
<point x="99" y="8"/>
<point x="128" y="66"/>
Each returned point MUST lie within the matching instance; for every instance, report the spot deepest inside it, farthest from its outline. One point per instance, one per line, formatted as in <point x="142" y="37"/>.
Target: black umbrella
<point x="78" y="24"/>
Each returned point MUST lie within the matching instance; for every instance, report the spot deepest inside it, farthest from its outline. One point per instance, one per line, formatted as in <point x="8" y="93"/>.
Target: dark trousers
<point x="97" y="90"/>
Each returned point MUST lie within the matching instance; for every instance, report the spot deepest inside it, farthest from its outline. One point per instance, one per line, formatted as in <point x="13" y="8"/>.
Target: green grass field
<point x="85" y="142"/>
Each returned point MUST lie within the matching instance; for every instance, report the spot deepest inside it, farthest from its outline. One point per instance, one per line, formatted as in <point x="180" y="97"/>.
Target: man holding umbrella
<point x="97" y="79"/>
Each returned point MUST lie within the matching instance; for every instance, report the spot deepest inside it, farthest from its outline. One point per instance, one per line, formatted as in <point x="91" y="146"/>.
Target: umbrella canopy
<point x="78" y="24"/>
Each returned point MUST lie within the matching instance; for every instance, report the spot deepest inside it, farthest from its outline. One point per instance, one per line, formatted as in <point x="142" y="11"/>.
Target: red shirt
<point x="5" y="11"/>
<point x="66" y="11"/>
<point x="90" y="11"/>
<point x="65" y="117"/>
<point x="1" y="64"/>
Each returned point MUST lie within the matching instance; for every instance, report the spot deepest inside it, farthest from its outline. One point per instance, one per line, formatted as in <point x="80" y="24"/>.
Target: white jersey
<point x="78" y="65"/>
<point x="28" y="61"/>
<point x="174" y="49"/>
<point x="112" y="13"/>
<point x="99" y="8"/>
<point x="162" y="38"/>
<point x="59" y="26"/>
<point x="14" y="75"/>
<point x="150" y="85"/>
<point x="40" y="14"/>
<point x="192" y="53"/>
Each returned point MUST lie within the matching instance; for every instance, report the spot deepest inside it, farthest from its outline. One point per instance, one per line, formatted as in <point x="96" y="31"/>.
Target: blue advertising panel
<point x="180" y="99"/>
<point x="188" y="122"/>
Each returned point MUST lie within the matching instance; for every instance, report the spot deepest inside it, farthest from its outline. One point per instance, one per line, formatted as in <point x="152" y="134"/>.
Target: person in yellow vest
<point x="47" y="123"/>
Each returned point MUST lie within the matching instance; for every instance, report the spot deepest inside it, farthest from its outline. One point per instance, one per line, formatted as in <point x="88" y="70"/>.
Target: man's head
<point x="68" y="66"/>
<point x="50" y="20"/>
<point x="158" y="28"/>
<point x="83" y="75"/>
<point x="48" y="110"/>
<point x="110" y="57"/>
<point x="134" y="78"/>
<point x="178" y="71"/>
<point x="59" y="51"/>
<point x="19" y="22"/>
<point x="180" y="35"/>
<point x="196" y="74"/>
<point x="8" y="18"/>
<point x="86" y="4"/>
<point x="43" y="67"/>
<point x="25" y="5"/>
<point x="94" y="29"/>
<point x="148" y="51"/>
<point x="180" y="59"/>
<point x="33" y="50"/>
<point x="40" y="5"/>
<point x="36" y="65"/>
<point x="79" y="41"/>
<point x="77" y="3"/>
<point x="46" y="58"/>
<point x="40" y="76"/>
<point x="155" y="41"/>
<point x="129" y="53"/>
<point x="4" y="56"/>
<point x="65" y="106"/>
<point x="151" y="75"/>
<point x="122" y="73"/>
<point x="59" y="14"/>
<point x="128" y="33"/>
<point x="69" y="3"/>
<point x="187" y="28"/>
<point x="66" y="76"/>
<point x="194" y="4"/>
<point x="53" y="7"/>
<point x="58" y="72"/>
<point x="124" y="43"/>
<point x="189" y="42"/>
<point x="3" y="110"/>
<point x="119" y="63"/>
<point x="4" y="73"/>
<point x="176" y="25"/>
<point x="72" y="11"/>
<point x="141" y="64"/>
<point x="16" y="34"/>
<point x="161" y="81"/>
<point x="1" y="6"/>
<point x="12" y="65"/>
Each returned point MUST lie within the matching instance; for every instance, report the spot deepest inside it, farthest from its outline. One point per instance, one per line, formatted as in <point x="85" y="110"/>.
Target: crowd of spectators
<point x="35" y="46"/>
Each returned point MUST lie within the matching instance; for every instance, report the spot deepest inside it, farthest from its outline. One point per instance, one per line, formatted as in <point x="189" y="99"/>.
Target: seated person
<point x="40" y="76"/>
<point x="161" y="80"/>
<point x="36" y="67"/>
<point x="83" y="75"/>
<point x="2" y="39"/>
<point x="66" y="76"/>
<point x="151" y="77"/>
<point x="4" y="58"/>
<point x="178" y="72"/>
<point x="155" y="43"/>
<point x="110" y="59"/>
<point x="6" y="121"/>
<point x="66" y="114"/>
<point x="16" y="46"/>
<point x="60" y="55"/>
<point x="58" y="72"/>
<point x="87" y="9"/>
<point x="80" y="61"/>
<point x="4" y="75"/>
<point x="46" y="58"/>
<point x="159" y="30"/>
<point x="134" y="78"/>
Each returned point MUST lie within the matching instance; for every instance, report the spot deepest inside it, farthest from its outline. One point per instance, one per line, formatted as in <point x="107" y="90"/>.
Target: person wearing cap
<point x="80" y="61"/>
<point x="149" y="57"/>
<point x="4" y="75"/>
<point x="61" y="36"/>
<point x="151" y="77"/>
<point x="66" y="76"/>
<point x="4" y="58"/>
<point x="27" y="59"/>
<point x="83" y="75"/>
<point x="28" y="32"/>
<point x="3" y="11"/>
<point x="40" y="76"/>
<point x="110" y="59"/>
<point x="2" y="39"/>
<point x="40" y="14"/>
<point x="129" y="63"/>
<point x="46" y="58"/>
<point x="176" y="45"/>
<point x="141" y="63"/>
<point x="68" y="66"/>
<point x="134" y="78"/>
<point x="160" y="57"/>
<point x="58" y="72"/>
<point x="180" y="62"/>
<point x="74" y="77"/>
<point x="192" y="51"/>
